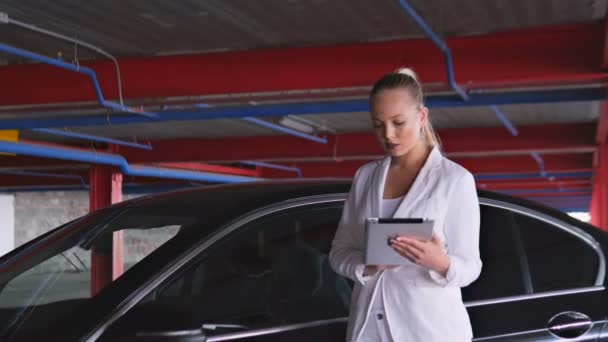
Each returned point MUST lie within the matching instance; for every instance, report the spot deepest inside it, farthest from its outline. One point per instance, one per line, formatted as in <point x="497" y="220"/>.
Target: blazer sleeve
<point x="345" y="256"/>
<point x="462" y="235"/>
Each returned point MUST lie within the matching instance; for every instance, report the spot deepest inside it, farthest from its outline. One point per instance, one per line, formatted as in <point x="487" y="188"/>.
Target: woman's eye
<point x="399" y="123"/>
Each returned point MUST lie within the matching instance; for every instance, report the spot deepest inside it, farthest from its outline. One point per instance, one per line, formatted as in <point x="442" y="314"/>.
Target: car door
<point x="519" y="292"/>
<point x="542" y="278"/>
<point x="265" y="278"/>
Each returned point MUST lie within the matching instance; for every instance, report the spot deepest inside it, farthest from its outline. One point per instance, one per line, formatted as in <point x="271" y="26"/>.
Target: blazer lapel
<point x="432" y="161"/>
<point x="377" y="191"/>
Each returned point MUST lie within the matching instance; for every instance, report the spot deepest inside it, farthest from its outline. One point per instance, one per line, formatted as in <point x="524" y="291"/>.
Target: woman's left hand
<point x="425" y="253"/>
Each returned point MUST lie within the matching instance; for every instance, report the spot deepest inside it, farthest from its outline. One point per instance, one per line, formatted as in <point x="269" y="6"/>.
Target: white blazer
<point x="420" y="304"/>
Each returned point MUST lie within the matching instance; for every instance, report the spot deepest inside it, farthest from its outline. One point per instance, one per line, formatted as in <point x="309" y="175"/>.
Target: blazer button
<point x="380" y="316"/>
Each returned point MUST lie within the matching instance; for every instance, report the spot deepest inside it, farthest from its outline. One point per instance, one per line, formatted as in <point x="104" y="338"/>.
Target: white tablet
<point x="378" y="232"/>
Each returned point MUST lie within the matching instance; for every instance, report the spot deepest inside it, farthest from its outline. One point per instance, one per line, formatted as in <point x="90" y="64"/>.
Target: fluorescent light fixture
<point x="317" y="127"/>
<point x="296" y="125"/>
<point x="583" y="216"/>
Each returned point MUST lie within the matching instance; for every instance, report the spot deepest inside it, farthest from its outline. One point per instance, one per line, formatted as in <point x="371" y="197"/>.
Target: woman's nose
<point x="388" y="132"/>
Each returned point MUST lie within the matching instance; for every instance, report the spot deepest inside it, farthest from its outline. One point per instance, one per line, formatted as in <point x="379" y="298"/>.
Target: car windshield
<point x="52" y="276"/>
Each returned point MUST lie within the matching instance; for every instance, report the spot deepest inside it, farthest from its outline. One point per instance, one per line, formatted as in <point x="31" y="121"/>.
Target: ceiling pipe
<point x="5" y="19"/>
<point x="505" y="121"/>
<point x="541" y="163"/>
<point x="44" y="175"/>
<point x="78" y="69"/>
<point x="447" y="55"/>
<point x="108" y="159"/>
<point x="89" y="137"/>
<point x="324" y="107"/>
<point x="448" y="62"/>
<point x="544" y="191"/>
<point x="551" y="176"/>
<point x="298" y="171"/>
<point x="513" y="130"/>
<point x="127" y="188"/>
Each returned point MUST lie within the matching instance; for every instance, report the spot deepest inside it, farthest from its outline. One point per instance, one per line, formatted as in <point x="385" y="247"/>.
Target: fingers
<point x="418" y="245"/>
<point x="407" y="251"/>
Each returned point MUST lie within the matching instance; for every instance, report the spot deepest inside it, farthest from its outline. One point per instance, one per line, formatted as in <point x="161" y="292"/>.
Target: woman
<point x="419" y="301"/>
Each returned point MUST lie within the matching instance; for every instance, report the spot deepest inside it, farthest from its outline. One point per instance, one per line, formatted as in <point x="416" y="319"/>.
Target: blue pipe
<point x="533" y="175"/>
<point x="117" y="161"/>
<point x="91" y="138"/>
<point x="81" y="70"/>
<point x="44" y="174"/>
<point x="544" y="191"/>
<point x="541" y="163"/>
<point x="285" y="130"/>
<point x="274" y="166"/>
<point x="347" y="106"/>
<point x="128" y="188"/>
<point x="447" y="55"/>
<point x="505" y="121"/>
<point x="448" y="62"/>
<point x="571" y="209"/>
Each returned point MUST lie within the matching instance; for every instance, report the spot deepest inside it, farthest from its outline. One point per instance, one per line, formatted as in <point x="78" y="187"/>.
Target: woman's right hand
<point x="370" y="270"/>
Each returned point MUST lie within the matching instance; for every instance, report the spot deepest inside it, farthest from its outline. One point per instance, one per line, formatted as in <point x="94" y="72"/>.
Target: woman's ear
<point x="424" y="115"/>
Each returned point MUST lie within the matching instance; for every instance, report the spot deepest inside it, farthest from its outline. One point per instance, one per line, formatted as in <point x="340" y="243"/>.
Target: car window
<point x="503" y="271"/>
<point x="56" y="285"/>
<point x="525" y="255"/>
<point x="62" y="277"/>
<point x="557" y="259"/>
<point x="273" y="271"/>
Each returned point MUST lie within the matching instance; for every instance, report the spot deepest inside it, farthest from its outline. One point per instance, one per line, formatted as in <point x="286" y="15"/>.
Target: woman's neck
<point x="414" y="159"/>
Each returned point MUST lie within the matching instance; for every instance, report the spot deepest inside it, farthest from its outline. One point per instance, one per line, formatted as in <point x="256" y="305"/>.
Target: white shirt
<point x="376" y="328"/>
<point x="420" y="304"/>
<point x="389" y="205"/>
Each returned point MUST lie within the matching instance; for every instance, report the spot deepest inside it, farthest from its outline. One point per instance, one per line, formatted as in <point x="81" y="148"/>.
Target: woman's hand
<point x="424" y="253"/>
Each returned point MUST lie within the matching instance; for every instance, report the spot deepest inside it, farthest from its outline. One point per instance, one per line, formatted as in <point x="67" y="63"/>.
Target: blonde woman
<point x="419" y="301"/>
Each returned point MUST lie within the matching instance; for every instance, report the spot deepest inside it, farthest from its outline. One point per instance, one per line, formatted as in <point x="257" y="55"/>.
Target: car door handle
<point x="569" y="324"/>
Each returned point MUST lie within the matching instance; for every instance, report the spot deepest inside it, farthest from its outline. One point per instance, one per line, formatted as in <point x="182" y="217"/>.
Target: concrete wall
<point x="27" y="215"/>
<point x="38" y="212"/>
<point x="7" y="223"/>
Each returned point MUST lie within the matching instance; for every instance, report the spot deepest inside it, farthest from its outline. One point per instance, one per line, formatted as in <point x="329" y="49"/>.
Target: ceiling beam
<point x="537" y="56"/>
<point x="590" y="93"/>
<point x="457" y="142"/>
<point x="564" y="148"/>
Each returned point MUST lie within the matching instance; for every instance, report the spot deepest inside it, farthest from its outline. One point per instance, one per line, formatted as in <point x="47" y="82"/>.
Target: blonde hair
<point x="407" y="79"/>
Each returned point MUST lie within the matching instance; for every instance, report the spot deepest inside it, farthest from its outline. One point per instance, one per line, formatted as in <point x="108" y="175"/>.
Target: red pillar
<point x="107" y="254"/>
<point x="599" y="196"/>
<point x="598" y="208"/>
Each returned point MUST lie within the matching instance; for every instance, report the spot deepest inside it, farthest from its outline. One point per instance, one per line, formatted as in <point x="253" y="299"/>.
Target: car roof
<point x="243" y="197"/>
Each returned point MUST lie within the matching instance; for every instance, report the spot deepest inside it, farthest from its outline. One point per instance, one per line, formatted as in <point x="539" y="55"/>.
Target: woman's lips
<point x="391" y="146"/>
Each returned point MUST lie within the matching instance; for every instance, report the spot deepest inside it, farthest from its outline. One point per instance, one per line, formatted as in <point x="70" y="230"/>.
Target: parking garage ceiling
<point x="196" y="55"/>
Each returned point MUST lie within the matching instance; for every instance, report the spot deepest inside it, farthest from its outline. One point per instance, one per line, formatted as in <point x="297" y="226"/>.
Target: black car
<point x="249" y="263"/>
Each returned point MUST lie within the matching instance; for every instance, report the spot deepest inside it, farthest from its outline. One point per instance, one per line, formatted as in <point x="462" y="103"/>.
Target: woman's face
<point x="397" y="120"/>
